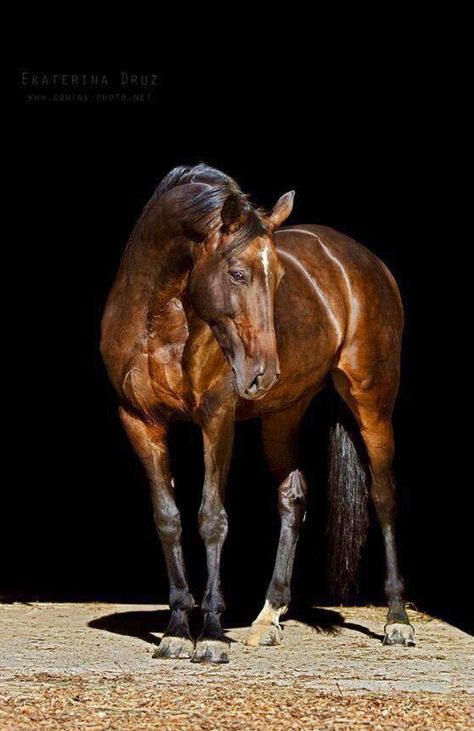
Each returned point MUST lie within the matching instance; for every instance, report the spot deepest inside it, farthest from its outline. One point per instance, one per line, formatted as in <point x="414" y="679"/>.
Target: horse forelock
<point x="253" y="226"/>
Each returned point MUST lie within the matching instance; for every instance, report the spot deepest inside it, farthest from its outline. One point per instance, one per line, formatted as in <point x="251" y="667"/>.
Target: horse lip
<point x="250" y="397"/>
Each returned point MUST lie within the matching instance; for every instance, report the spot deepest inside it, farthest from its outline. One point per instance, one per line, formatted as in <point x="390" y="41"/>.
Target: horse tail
<point x="347" y="502"/>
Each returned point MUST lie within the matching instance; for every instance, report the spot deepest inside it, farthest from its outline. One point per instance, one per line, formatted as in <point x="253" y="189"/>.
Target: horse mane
<point x="204" y="209"/>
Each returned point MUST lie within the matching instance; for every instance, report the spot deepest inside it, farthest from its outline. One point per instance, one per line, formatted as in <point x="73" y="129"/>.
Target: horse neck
<point x="156" y="264"/>
<point x="158" y="258"/>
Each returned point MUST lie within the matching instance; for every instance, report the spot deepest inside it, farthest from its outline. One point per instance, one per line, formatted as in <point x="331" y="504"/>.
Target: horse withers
<point x="218" y="314"/>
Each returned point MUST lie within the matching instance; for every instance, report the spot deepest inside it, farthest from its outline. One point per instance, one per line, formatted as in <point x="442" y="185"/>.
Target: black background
<point x="366" y="156"/>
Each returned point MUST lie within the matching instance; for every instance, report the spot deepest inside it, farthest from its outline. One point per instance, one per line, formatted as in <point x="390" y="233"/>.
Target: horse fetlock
<point x="397" y="613"/>
<point x="181" y="602"/>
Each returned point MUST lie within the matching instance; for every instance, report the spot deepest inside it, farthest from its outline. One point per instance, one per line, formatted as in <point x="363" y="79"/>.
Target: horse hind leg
<point x="280" y="441"/>
<point x="378" y="438"/>
<point x="372" y="409"/>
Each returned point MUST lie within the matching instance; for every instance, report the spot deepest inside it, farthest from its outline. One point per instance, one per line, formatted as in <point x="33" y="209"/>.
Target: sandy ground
<point x="73" y="666"/>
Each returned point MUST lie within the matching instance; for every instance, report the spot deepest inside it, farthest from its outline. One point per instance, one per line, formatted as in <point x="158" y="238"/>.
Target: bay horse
<point x="218" y="314"/>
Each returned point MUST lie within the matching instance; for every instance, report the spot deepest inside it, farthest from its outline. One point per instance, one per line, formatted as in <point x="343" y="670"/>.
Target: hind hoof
<point x="174" y="648"/>
<point x="215" y="651"/>
<point x="263" y="633"/>
<point x="399" y="634"/>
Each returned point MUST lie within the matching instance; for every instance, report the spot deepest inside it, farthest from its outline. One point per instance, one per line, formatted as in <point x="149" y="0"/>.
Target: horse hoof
<point x="216" y="651"/>
<point x="174" y="648"/>
<point x="399" y="634"/>
<point x="263" y="633"/>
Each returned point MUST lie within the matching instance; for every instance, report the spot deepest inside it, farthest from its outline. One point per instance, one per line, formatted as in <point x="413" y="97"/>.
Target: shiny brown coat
<point x="218" y="314"/>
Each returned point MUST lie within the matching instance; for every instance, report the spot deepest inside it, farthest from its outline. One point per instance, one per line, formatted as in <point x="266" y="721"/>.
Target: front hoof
<point x="174" y="648"/>
<point x="399" y="634"/>
<point x="216" y="651"/>
<point x="263" y="633"/>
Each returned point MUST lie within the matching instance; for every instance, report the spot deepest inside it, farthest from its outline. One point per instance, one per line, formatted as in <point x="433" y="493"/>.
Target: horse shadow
<point x="144" y="624"/>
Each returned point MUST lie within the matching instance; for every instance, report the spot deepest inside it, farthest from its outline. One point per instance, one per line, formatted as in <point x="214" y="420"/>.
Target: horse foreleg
<point x="218" y="434"/>
<point x="280" y="440"/>
<point x="150" y="444"/>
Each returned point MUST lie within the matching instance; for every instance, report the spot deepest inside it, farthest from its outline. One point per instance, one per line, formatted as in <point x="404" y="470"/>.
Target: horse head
<point x="232" y="285"/>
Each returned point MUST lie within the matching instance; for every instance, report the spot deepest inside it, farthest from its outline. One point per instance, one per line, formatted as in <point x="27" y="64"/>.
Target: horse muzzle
<point x="254" y="386"/>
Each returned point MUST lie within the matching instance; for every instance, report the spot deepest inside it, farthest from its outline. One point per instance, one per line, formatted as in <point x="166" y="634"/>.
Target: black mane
<point x="205" y="208"/>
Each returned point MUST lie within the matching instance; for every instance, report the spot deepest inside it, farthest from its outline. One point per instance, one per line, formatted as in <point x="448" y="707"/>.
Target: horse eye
<point x="237" y="275"/>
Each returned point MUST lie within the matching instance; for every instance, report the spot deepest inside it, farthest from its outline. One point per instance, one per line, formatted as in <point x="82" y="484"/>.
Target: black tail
<point x="347" y="509"/>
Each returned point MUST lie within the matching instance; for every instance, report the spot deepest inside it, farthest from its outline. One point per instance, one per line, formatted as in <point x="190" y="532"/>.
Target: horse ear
<point x="281" y="209"/>
<point x="231" y="210"/>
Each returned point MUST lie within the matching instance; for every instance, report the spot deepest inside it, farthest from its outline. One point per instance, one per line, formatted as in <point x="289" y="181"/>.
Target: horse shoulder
<point x="167" y="334"/>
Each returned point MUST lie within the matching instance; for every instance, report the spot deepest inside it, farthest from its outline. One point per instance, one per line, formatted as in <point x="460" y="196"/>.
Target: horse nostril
<point x="254" y="385"/>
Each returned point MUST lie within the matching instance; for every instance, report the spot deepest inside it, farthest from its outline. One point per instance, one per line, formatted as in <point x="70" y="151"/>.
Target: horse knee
<point x="168" y="523"/>
<point x="213" y="524"/>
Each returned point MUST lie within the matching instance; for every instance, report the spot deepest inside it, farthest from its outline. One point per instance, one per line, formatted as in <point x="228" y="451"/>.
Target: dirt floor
<point x="75" y="666"/>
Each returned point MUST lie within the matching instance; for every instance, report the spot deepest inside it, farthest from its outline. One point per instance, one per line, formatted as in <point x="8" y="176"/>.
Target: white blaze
<point x="265" y="261"/>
